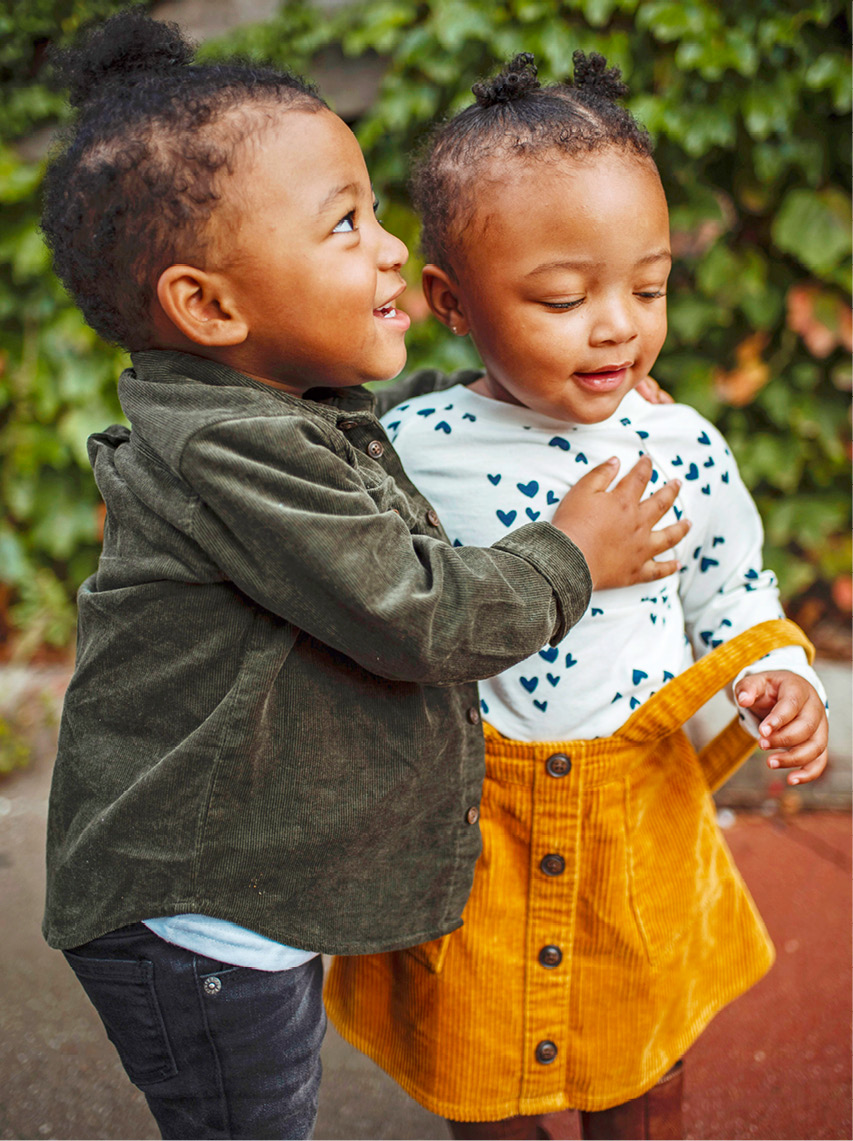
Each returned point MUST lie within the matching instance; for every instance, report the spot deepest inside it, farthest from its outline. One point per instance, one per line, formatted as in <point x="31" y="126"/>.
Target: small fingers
<point x="601" y="476"/>
<point x="658" y="504"/>
<point x="668" y="537"/>
<point x="654" y="569"/>
<point x="650" y="390"/>
<point x="797" y="755"/>
<point x="784" y="712"/>
<point x="634" y="483"/>
<point x="805" y="724"/>
<point x="809" y="771"/>
<point x="752" y="692"/>
<point x="800" y="742"/>
<point x="748" y="691"/>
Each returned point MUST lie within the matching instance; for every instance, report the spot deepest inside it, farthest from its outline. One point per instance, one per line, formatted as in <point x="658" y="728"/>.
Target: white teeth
<point x="387" y="311"/>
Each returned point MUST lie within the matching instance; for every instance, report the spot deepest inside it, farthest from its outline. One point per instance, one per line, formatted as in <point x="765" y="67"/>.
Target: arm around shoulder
<point x="290" y="518"/>
<point x="561" y="562"/>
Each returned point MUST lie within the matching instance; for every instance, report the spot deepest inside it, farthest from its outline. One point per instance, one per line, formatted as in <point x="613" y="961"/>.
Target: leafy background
<point x="750" y="108"/>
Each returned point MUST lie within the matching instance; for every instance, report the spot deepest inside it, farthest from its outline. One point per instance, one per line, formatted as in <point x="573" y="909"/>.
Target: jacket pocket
<point x="122" y="991"/>
<point x="433" y="954"/>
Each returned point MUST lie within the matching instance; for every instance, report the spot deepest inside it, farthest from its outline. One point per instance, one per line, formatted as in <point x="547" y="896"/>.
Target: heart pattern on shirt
<point x="524" y="496"/>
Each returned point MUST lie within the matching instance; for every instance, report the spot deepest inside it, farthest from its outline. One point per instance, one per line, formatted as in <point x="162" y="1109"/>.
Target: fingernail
<point x="676" y="483"/>
<point x="612" y="460"/>
<point x="793" y="780"/>
<point x="773" y="763"/>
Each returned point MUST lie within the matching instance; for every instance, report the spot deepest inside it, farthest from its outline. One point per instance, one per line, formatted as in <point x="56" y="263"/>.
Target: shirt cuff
<point x="561" y="563"/>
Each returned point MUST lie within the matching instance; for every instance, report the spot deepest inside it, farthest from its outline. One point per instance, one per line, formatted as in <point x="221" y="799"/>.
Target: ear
<point x="442" y="296"/>
<point x="201" y="306"/>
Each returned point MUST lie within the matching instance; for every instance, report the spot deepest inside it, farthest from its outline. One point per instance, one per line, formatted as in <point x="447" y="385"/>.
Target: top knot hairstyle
<point x="515" y="116"/>
<point x="137" y="175"/>
<point x="516" y="79"/>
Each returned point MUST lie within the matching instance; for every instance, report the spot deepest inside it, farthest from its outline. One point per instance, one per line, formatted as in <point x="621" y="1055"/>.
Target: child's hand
<point x="651" y="391"/>
<point x="793" y="721"/>
<point x="614" y="529"/>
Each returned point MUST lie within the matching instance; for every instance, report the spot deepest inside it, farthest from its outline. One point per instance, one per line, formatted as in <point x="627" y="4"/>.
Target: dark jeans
<point x="219" y="1051"/>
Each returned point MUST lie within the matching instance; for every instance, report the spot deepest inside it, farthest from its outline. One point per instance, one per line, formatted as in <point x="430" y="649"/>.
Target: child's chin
<point x="596" y="412"/>
<point x="392" y="369"/>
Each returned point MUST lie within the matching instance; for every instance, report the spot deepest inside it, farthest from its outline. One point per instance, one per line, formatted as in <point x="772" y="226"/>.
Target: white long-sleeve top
<point x="489" y="467"/>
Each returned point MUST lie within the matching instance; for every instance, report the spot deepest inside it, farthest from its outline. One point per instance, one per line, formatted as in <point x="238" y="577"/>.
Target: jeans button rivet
<point x="212" y="985"/>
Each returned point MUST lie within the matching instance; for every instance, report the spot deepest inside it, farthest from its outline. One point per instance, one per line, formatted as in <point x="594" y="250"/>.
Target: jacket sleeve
<point x="291" y="522"/>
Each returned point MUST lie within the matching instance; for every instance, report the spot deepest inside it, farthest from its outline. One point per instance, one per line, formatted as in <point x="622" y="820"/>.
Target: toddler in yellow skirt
<point x="607" y="923"/>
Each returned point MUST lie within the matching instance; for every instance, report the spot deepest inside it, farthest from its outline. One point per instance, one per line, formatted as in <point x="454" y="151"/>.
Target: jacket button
<point x="345" y="425"/>
<point x="473" y="814"/>
<point x="432" y="517"/>
<point x="473" y="715"/>
<point x="375" y="449"/>
<point x="546" y="1052"/>
<point x="558" y="765"/>
<point x="212" y="985"/>
<point x="550" y="956"/>
<point x="553" y="865"/>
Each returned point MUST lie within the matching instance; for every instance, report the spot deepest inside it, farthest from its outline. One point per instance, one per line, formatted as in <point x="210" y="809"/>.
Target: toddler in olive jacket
<point x="270" y="747"/>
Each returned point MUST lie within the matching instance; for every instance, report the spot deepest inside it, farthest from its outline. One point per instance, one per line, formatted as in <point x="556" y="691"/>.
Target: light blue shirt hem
<point x="227" y="942"/>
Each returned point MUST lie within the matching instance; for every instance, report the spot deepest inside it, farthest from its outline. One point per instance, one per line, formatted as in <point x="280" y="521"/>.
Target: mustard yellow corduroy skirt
<point x="606" y="926"/>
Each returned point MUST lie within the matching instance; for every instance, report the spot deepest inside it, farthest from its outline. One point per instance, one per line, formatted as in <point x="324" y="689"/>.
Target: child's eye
<point x="346" y="224"/>
<point x="563" y="305"/>
<point x="651" y="295"/>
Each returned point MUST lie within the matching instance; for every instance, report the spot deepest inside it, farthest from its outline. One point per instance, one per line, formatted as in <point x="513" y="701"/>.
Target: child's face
<point x="313" y="272"/>
<point x="562" y="282"/>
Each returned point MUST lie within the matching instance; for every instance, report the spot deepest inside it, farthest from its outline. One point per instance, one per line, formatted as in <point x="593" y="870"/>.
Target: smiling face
<point x="561" y="281"/>
<point x="311" y="270"/>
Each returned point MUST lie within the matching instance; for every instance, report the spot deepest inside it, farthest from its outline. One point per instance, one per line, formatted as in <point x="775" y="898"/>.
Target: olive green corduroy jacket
<point x="273" y="716"/>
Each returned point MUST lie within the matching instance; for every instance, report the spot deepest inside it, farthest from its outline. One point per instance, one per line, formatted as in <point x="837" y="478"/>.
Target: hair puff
<point x="127" y="44"/>
<point x="514" y="82"/>
<point x="592" y="75"/>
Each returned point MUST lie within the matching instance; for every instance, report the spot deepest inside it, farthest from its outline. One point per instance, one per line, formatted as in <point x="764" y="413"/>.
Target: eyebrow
<point x="547" y="267"/>
<point x="334" y="195"/>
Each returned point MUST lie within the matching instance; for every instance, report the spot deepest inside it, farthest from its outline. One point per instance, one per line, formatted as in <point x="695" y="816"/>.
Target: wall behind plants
<point x="749" y="105"/>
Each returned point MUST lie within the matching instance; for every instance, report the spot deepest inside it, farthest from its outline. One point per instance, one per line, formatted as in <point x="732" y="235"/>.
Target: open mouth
<point x="393" y="316"/>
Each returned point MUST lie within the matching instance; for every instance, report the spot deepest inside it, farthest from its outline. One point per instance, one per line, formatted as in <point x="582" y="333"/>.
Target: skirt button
<point x="546" y="1052"/>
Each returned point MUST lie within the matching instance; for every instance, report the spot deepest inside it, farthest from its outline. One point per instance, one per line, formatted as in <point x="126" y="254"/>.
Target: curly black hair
<point x="515" y="116"/>
<point x="136" y="176"/>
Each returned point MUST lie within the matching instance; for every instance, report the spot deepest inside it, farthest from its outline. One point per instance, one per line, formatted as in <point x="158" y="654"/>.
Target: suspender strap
<point x="680" y="698"/>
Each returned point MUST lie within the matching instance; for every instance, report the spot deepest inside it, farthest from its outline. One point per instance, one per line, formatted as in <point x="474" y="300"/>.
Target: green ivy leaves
<point x="749" y="106"/>
<point x="814" y="226"/>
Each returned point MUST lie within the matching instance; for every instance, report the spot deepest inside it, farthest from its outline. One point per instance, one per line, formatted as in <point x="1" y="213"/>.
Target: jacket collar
<point x="169" y="365"/>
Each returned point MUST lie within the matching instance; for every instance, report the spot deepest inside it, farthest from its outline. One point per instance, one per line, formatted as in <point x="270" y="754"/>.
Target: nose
<point x="392" y="253"/>
<point x="613" y="322"/>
